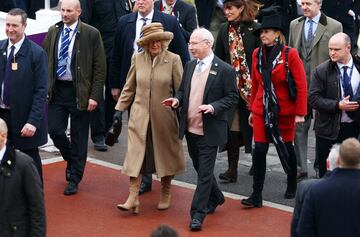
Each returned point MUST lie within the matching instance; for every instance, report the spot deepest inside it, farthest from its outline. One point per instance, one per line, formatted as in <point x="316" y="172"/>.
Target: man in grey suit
<point x="207" y="91"/>
<point x="310" y="35"/>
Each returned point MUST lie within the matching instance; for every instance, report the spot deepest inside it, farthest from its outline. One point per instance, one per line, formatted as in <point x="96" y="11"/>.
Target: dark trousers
<point x="323" y="145"/>
<point x="61" y="107"/>
<point x="110" y="103"/>
<point x="32" y="152"/>
<point x="207" y="191"/>
<point x="97" y="123"/>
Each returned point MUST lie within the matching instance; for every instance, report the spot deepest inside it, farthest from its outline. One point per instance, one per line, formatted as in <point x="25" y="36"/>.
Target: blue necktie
<point x="63" y="53"/>
<point x="141" y="32"/>
<point x="347" y="83"/>
<point x="310" y="35"/>
<point x="6" y="95"/>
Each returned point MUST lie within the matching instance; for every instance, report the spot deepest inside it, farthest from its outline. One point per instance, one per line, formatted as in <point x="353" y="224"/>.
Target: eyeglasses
<point x="196" y="43"/>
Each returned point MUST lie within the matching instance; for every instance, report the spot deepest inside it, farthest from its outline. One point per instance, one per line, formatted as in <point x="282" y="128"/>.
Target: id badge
<point x="14" y="66"/>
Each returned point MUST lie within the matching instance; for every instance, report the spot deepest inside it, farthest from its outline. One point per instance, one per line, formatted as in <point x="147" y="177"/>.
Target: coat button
<point x="14" y="227"/>
<point x="78" y="67"/>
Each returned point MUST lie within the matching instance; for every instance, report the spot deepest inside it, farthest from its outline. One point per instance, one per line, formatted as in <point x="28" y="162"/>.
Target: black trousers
<point x="97" y="122"/>
<point x="32" y="152"/>
<point x="74" y="151"/>
<point x="207" y="191"/>
<point x="323" y="145"/>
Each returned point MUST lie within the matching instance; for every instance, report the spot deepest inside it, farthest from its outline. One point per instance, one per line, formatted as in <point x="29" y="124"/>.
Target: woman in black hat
<point x="235" y="44"/>
<point x="273" y="113"/>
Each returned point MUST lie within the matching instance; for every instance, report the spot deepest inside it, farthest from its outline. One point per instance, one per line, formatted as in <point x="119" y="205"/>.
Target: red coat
<point x="288" y="108"/>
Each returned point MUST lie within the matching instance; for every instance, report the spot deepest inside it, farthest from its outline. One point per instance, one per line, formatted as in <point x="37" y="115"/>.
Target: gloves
<point x="115" y="130"/>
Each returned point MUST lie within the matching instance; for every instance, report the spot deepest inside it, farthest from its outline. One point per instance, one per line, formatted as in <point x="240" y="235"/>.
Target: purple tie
<point x="6" y="95"/>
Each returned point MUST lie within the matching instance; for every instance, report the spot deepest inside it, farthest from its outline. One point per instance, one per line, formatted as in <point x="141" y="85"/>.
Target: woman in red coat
<point x="273" y="114"/>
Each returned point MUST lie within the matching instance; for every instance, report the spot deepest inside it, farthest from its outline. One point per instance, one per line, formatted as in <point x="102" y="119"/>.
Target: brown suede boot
<point x="165" y="195"/>
<point x="132" y="203"/>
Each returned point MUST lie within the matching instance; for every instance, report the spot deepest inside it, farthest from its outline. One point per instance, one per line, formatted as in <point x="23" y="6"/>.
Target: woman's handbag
<point x="289" y="77"/>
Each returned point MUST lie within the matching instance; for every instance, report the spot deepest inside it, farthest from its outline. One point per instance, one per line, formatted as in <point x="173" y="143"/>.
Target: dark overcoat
<point x="28" y="91"/>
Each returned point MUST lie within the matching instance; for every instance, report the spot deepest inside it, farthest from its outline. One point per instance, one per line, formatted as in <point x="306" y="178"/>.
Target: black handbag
<point x="289" y="77"/>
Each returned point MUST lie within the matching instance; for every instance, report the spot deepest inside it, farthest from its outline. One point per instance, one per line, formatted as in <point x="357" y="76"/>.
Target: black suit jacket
<point x="338" y="9"/>
<point x="7" y="5"/>
<point x="124" y="40"/>
<point x="220" y="91"/>
<point x="22" y="210"/>
<point x="185" y="14"/>
<point x="331" y="207"/>
<point x="204" y="10"/>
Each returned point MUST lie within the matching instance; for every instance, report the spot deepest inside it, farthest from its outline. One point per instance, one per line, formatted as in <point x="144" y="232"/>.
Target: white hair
<point x="332" y="157"/>
<point x="205" y="34"/>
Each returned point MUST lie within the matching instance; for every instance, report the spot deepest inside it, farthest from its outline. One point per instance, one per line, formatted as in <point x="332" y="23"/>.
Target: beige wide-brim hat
<point x="153" y="32"/>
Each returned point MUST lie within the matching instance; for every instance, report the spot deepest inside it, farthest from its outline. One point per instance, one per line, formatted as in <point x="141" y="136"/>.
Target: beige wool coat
<point x="147" y="84"/>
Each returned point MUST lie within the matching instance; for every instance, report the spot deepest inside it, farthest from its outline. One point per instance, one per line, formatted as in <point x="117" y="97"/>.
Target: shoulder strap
<point x="287" y="59"/>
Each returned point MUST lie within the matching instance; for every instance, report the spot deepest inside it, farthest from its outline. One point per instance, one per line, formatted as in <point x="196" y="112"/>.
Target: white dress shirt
<point x="139" y="24"/>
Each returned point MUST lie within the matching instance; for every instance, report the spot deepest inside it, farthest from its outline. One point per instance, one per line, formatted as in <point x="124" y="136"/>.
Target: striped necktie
<point x="63" y="53"/>
<point x="140" y="49"/>
<point x="310" y="35"/>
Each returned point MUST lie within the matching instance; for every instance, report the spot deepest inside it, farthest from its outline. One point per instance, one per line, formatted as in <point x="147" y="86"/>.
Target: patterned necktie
<point x="310" y="35"/>
<point x="63" y="53"/>
<point x="6" y="95"/>
<point x="200" y="64"/>
<point x="347" y="83"/>
<point x="140" y="49"/>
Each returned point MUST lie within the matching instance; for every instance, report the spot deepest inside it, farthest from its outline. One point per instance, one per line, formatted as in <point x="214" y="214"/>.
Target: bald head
<point x="349" y="153"/>
<point x="70" y="11"/>
<point x="3" y="133"/>
<point x="340" y="48"/>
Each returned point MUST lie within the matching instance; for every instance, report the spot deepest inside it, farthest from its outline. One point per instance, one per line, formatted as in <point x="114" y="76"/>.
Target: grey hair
<point x="332" y="157"/>
<point x="205" y="35"/>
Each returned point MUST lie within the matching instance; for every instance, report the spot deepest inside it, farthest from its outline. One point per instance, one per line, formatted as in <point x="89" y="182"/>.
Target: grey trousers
<point x="301" y="144"/>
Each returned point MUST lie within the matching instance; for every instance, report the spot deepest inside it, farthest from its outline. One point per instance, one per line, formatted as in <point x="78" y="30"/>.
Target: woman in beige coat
<point x="153" y="143"/>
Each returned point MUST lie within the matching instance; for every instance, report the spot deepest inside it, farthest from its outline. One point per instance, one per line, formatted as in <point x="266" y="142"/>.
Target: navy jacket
<point x="28" y="91"/>
<point x="332" y="206"/>
<point x="185" y="14"/>
<point x="22" y="209"/>
<point x="124" y="41"/>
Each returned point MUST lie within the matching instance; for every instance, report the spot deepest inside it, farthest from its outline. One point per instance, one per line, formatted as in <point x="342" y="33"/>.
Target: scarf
<point x="270" y="103"/>
<point x="238" y="62"/>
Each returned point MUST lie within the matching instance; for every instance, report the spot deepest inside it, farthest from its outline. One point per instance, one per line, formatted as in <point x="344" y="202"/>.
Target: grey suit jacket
<point x="326" y="28"/>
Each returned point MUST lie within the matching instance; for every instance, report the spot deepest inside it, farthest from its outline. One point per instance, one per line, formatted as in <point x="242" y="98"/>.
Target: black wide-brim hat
<point x="271" y="20"/>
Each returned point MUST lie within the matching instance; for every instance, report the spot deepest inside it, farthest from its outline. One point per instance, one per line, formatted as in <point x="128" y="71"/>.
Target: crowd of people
<point x="223" y="74"/>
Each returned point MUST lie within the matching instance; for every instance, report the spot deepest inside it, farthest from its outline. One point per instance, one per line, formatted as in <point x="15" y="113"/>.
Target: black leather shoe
<point x="255" y="200"/>
<point x="71" y="188"/>
<point x="228" y="176"/>
<point x="210" y="209"/>
<point x="67" y="172"/>
<point x="195" y="225"/>
<point x="100" y="145"/>
<point x="144" y="187"/>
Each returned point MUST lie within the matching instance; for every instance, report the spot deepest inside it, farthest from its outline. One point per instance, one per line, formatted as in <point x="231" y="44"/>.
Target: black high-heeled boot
<point x="259" y="164"/>
<point x="291" y="177"/>
<point x="230" y="175"/>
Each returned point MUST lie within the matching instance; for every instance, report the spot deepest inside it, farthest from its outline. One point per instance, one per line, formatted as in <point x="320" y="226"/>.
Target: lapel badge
<point x="4" y="53"/>
<point x="213" y="72"/>
<point x="166" y="61"/>
<point x="9" y="162"/>
<point x="250" y="28"/>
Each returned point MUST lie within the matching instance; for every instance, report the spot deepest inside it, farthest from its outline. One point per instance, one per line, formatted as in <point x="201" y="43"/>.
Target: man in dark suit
<point x="184" y="12"/>
<point x="344" y="11"/>
<point x="77" y="68"/>
<point x="104" y="16"/>
<point x="23" y="69"/>
<point x="334" y="85"/>
<point x="127" y="33"/>
<point x="207" y="91"/>
<point x="332" y="206"/>
<point x="22" y="211"/>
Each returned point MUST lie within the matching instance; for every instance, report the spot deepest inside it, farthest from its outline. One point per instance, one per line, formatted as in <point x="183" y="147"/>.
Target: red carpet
<point x="93" y="213"/>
